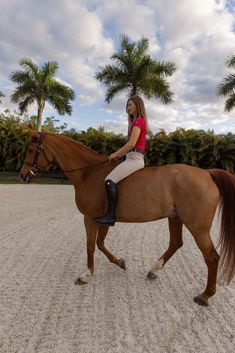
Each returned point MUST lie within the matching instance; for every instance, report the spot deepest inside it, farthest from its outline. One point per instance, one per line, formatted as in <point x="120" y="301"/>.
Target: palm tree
<point x="227" y="87"/>
<point x="1" y="95"/>
<point x="39" y="85"/>
<point x="136" y="72"/>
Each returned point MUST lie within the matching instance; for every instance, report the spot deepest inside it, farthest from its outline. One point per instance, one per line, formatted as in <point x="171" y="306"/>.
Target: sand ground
<point x="43" y="250"/>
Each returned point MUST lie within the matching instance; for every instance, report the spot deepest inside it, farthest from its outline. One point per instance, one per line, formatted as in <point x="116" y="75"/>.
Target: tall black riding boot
<point x="109" y="217"/>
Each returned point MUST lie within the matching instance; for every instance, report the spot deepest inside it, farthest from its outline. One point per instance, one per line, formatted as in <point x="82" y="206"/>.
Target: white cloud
<point x="119" y="125"/>
<point x="67" y="33"/>
<point x="134" y="18"/>
<point x="189" y="20"/>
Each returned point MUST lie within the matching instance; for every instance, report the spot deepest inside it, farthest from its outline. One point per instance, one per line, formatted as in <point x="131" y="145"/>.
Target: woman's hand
<point x="112" y="156"/>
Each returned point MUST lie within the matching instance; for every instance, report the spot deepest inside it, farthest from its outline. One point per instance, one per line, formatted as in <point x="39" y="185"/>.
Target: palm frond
<point x="126" y="44"/>
<point x="20" y="77"/>
<point x="164" y="68"/>
<point x="227" y="86"/>
<point x="58" y="89"/>
<point x="1" y="95"/>
<point x="105" y="73"/>
<point x="61" y="104"/>
<point x="230" y="62"/>
<point x="23" y="91"/>
<point x="125" y="57"/>
<point x="110" y="74"/>
<point x="230" y="103"/>
<point x="59" y="96"/>
<point x="24" y="104"/>
<point x="143" y="68"/>
<point x="113" y="90"/>
<point x="29" y="66"/>
<point x="161" y="90"/>
<point x="49" y="70"/>
<point x="142" y="46"/>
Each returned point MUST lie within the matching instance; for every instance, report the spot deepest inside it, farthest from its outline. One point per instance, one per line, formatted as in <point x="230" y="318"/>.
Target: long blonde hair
<point x="140" y="107"/>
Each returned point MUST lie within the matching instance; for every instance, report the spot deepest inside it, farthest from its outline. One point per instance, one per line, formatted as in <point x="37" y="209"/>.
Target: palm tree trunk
<point x="134" y="90"/>
<point x="39" y="116"/>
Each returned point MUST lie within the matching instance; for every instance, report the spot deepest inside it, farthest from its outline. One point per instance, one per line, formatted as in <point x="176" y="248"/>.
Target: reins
<point x="89" y="166"/>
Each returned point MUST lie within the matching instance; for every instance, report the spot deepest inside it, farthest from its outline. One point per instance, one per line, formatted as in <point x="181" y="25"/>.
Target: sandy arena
<point x="43" y="251"/>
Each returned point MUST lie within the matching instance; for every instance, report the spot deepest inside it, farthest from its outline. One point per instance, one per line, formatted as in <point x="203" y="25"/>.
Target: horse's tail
<point x="226" y="185"/>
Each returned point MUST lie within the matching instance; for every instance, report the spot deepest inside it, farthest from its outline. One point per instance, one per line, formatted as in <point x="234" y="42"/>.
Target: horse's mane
<point x="78" y="145"/>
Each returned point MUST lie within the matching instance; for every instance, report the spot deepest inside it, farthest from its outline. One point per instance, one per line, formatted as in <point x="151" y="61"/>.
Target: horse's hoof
<point x="151" y="275"/>
<point x="79" y="281"/>
<point x="200" y="301"/>
<point x="121" y="263"/>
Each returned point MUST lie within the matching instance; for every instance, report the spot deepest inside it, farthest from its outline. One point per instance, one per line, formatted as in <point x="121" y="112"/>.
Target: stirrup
<point x="104" y="220"/>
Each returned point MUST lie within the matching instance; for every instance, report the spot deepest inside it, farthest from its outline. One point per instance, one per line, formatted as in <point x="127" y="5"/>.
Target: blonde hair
<point x="141" y="112"/>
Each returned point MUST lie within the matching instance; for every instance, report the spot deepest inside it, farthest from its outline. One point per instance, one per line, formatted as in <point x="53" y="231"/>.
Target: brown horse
<point x="184" y="194"/>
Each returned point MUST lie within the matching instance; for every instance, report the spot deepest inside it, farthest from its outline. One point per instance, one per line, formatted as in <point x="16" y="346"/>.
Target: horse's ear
<point x="32" y="133"/>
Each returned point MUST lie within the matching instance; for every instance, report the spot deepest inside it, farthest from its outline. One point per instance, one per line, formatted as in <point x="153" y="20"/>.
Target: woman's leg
<point x="109" y="217"/>
<point x="132" y="163"/>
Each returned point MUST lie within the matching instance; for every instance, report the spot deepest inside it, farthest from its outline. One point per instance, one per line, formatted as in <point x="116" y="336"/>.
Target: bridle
<point x="34" y="166"/>
<point x="35" y="169"/>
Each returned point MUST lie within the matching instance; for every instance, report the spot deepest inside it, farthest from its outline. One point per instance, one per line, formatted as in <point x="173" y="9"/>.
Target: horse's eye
<point x="30" y="150"/>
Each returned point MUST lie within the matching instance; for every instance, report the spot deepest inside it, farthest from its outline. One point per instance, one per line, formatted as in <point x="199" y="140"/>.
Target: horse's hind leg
<point x="102" y="232"/>
<point x="211" y="257"/>
<point x="91" y="231"/>
<point x="176" y="241"/>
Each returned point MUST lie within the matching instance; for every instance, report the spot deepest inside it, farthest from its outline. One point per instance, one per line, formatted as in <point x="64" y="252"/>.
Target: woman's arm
<point x="129" y="145"/>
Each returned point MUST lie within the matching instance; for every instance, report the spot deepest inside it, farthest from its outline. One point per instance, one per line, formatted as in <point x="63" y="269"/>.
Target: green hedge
<point x="13" y="143"/>
<point x="193" y="147"/>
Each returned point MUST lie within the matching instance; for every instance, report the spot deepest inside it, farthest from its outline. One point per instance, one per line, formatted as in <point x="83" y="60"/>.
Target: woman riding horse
<point x="134" y="150"/>
<point x="185" y="195"/>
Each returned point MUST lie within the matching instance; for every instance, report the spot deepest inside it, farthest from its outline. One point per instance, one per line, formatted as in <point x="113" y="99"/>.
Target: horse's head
<point x="37" y="158"/>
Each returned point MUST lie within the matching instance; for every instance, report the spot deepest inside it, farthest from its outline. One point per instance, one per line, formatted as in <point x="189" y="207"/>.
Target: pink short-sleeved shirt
<point x="141" y="142"/>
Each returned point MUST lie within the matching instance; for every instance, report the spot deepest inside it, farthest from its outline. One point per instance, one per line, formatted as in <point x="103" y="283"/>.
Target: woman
<point x="134" y="150"/>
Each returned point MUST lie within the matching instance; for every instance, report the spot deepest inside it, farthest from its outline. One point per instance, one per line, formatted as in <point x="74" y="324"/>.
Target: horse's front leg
<point x="91" y="232"/>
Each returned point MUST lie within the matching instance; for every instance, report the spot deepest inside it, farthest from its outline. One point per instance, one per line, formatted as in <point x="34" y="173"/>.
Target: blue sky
<point x="82" y="35"/>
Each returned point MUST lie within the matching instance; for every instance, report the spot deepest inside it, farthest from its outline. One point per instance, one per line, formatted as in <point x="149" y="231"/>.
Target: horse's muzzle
<point x="27" y="177"/>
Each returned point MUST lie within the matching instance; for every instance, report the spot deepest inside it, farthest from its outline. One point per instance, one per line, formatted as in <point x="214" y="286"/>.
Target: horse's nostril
<point x="23" y="177"/>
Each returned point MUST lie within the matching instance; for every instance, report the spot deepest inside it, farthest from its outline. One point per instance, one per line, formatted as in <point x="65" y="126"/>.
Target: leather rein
<point x="36" y="169"/>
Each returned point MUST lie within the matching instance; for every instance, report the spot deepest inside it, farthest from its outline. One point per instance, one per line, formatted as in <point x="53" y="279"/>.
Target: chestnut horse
<point x="184" y="194"/>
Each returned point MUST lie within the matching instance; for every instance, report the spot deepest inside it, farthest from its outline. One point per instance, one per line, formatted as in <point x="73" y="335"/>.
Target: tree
<point x="50" y="124"/>
<point x="135" y="72"/>
<point x="39" y="85"/>
<point x="227" y="87"/>
<point x="1" y="95"/>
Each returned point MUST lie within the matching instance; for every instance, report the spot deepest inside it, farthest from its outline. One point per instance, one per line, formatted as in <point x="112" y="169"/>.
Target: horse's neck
<point x="70" y="155"/>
